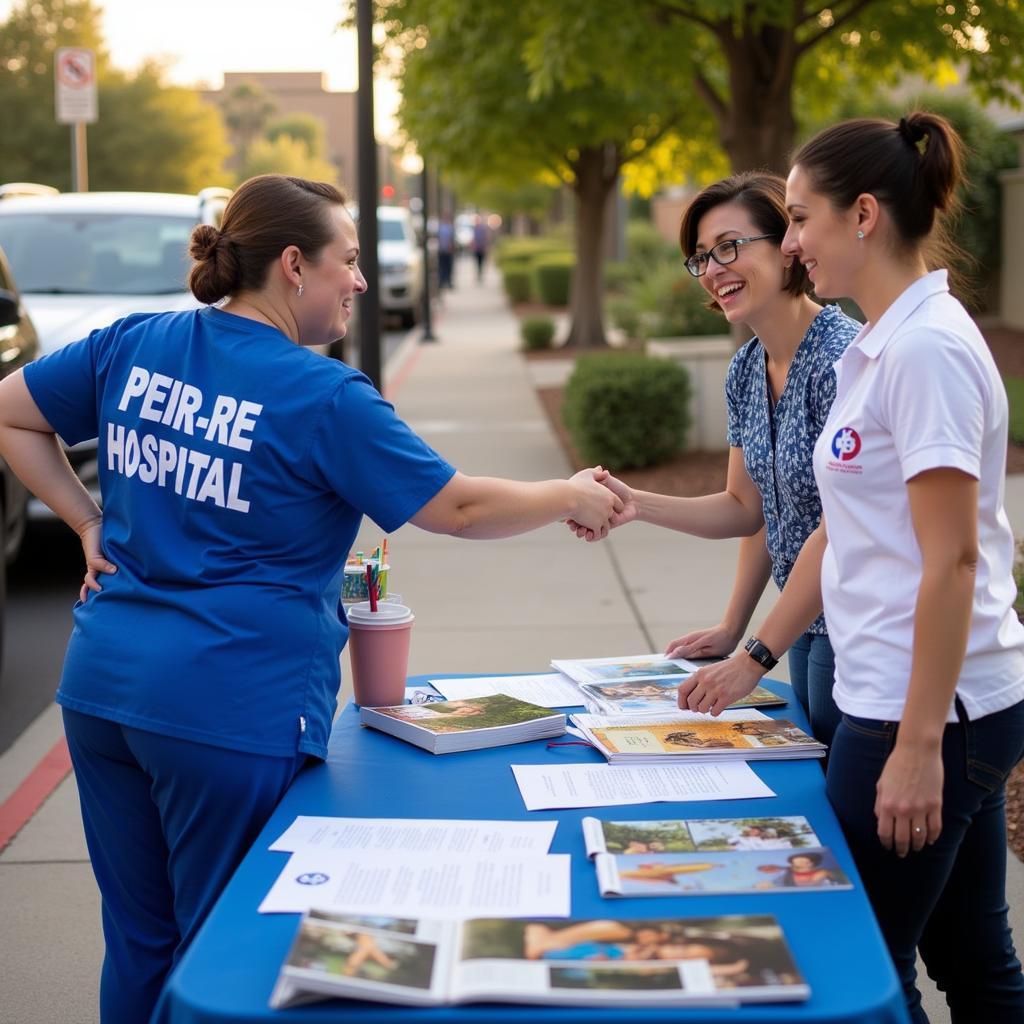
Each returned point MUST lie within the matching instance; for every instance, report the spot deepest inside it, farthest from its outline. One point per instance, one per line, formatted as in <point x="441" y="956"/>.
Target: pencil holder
<point x="353" y="583"/>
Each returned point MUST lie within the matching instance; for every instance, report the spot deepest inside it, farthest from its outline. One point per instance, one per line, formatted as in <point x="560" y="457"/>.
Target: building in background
<point x="291" y="92"/>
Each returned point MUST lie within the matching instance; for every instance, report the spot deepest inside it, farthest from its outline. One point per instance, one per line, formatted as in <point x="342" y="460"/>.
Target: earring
<point x="299" y="290"/>
<point x="860" y="235"/>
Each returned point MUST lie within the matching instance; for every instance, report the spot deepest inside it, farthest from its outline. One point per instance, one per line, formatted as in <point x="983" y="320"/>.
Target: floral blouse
<point x="778" y="443"/>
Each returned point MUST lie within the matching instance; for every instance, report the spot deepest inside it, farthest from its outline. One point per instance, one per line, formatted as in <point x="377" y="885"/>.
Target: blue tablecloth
<point x="230" y="969"/>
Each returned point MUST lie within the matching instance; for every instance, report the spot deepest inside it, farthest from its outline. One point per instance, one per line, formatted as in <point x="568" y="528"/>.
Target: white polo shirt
<point x="916" y="391"/>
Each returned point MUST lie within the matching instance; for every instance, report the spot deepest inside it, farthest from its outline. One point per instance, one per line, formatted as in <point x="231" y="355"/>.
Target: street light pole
<point x="366" y="148"/>
<point x="428" y="333"/>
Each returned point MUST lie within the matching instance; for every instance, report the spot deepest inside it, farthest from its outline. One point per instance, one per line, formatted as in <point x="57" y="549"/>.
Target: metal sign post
<point x="74" y="72"/>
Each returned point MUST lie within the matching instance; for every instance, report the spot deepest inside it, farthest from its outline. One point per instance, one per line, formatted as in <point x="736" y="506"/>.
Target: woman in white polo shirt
<point x="913" y="563"/>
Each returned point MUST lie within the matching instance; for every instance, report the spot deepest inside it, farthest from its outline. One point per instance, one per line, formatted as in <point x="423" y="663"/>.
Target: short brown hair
<point x="763" y="196"/>
<point x="263" y="217"/>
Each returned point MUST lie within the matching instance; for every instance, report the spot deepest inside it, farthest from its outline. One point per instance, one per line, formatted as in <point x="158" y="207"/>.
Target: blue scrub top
<point x="235" y="468"/>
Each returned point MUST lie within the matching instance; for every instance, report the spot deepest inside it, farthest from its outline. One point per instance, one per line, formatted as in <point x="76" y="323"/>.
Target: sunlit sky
<point x="201" y="39"/>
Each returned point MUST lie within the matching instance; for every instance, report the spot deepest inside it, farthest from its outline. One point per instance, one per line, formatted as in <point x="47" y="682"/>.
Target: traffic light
<point x="387" y="191"/>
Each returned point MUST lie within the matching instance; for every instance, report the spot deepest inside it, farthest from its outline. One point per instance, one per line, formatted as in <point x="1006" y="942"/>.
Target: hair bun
<point x="204" y="241"/>
<point x="912" y="131"/>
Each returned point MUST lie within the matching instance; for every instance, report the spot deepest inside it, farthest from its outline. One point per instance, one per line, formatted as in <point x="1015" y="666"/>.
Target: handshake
<point x="602" y="503"/>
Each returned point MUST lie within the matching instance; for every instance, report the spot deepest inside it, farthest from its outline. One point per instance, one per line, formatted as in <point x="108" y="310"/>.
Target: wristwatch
<point x="760" y="653"/>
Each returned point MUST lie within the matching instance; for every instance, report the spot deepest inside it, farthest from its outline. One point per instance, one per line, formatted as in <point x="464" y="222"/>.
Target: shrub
<point x="518" y="284"/>
<point x="645" y="248"/>
<point x="627" y="410"/>
<point x="526" y="249"/>
<point x="671" y="304"/>
<point x="618" y="276"/>
<point x="537" y="332"/>
<point x="623" y="314"/>
<point x="1015" y="397"/>
<point x="552" y="278"/>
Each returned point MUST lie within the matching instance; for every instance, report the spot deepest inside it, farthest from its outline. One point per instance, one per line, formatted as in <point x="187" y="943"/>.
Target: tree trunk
<point x="756" y="126"/>
<point x="596" y="170"/>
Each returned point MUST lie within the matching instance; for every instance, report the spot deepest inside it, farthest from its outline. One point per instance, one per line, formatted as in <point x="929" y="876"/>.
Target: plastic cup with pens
<point x="380" y="628"/>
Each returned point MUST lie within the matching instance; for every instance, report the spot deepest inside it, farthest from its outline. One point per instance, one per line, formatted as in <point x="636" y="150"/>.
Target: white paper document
<point x="417" y="835"/>
<point x="545" y="787"/>
<point x="551" y="690"/>
<point x="398" y="885"/>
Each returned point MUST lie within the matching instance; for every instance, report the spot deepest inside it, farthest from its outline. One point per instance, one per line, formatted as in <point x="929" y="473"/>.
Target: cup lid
<point x="387" y="614"/>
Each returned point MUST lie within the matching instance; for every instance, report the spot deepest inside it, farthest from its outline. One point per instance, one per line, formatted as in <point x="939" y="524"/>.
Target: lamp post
<point x="428" y="333"/>
<point x="366" y="148"/>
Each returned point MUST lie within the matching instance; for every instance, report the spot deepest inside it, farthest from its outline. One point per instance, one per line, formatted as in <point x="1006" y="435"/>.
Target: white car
<point x="85" y="259"/>
<point x="400" y="263"/>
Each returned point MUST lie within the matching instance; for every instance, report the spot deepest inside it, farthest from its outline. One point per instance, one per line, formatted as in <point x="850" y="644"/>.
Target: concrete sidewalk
<point x="506" y="606"/>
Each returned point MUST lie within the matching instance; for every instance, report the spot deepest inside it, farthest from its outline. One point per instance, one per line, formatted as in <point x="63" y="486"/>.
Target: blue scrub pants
<point x="948" y="900"/>
<point x="167" y="821"/>
<point x="812" y="671"/>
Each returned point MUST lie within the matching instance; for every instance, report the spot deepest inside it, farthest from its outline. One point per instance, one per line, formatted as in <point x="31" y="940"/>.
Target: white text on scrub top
<point x="197" y="475"/>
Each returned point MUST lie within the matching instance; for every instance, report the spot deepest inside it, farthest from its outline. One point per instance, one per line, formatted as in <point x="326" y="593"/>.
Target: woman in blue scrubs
<point x="235" y="467"/>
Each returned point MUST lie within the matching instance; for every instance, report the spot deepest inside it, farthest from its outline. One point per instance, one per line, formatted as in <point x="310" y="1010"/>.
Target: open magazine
<point x="644" y="683"/>
<point x="709" y="961"/>
<point x="654" y="696"/>
<point x="636" y="666"/>
<point x="662" y="739"/>
<point x="710" y="855"/>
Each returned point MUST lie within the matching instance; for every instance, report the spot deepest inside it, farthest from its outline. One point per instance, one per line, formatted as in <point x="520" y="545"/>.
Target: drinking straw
<point x="370" y="589"/>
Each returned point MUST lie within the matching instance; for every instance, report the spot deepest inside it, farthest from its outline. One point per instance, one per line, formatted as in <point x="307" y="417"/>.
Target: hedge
<point x="552" y="278"/>
<point x="627" y="410"/>
<point x="537" y="332"/>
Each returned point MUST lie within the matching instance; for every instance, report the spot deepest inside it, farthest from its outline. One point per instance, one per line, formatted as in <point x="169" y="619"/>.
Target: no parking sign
<point x="75" y="85"/>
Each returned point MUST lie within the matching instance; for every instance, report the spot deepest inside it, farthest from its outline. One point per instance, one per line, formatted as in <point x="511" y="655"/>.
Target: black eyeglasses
<point x="723" y="253"/>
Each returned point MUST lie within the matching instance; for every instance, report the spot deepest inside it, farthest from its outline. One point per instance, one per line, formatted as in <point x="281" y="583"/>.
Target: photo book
<point x="662" y="739"/>
<point x="699" y="961"/>
<point x="657" y="696"/>
<point x="710" y="856"/>
<point x="644" y="683"/>
<point x="446" y="726"/>
<point x="637" y="666"/>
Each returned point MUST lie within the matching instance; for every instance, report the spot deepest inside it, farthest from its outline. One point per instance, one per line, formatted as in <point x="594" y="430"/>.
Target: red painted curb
<point x="392" y="389"/>
<point x="17" y="810"/>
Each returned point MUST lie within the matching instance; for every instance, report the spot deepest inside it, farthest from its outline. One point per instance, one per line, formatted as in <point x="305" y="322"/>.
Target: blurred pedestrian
<point x="481" y="245"/>
<point x="913" y="562"/>
<point x="235" y="467"/>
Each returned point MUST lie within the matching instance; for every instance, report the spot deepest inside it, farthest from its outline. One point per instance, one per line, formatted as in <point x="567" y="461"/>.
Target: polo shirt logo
<point x="845" y="448"/>
<point x="846" y="444"/>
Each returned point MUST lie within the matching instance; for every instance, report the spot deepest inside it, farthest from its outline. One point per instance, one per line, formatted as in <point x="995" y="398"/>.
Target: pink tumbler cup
<point x="378" y="645"/>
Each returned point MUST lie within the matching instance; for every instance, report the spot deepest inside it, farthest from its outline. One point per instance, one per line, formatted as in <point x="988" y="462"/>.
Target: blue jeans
<point x="948" y="900"/>
<point x="167" y="821"/>
<point x="812" y="671"/>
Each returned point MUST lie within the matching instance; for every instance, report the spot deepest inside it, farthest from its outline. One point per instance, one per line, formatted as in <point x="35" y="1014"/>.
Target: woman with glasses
<point x="779" y="388"/>
<point x="913" y="564"/>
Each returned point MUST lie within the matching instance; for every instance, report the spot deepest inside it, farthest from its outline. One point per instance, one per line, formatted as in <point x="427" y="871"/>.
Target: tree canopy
<point x="149" y="135"/>
<point x="578" y="90"/>
<point x="475" y="108"/>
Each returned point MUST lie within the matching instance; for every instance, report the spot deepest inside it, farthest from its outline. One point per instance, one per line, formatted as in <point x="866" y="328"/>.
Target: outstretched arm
<point x="735" y="512"/>
<point x="483" y="508"/>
